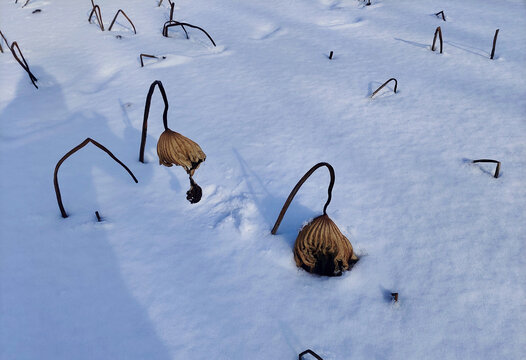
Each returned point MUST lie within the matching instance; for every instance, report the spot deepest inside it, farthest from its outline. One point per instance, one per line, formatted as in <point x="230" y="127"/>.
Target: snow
<point x="161" y="278"/>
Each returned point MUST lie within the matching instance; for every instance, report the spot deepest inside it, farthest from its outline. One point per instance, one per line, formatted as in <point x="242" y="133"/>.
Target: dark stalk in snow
<point x="442" y="14"/>
<point x="497" y="169"/>
<point x="385" y="83"/>
<point x="126" y="16"/>
<point x="309" y="351"/>
<point x="148" y="56"/>
<point x="494" y="43"/>
<point x="177" y="23"/>
<point x="23" y="62"/>
<point x="439" y="32"/>
<point x="98" y="15"/>
<point x="71" y="152"/>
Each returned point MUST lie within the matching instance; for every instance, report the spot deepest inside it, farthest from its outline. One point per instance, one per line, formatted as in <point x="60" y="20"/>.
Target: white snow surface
<point x="161" y="278"/>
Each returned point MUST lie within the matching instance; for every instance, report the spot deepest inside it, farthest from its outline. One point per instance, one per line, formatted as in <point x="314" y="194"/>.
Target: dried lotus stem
<point x="98" y="15"/>
<point x="172" y="7"/>
<point x="161" y="1"/>
<point x="165" y="28"/>
<point x="309" y="351"/>
<point x="23" y="62"/>
<point x="494" y="43"/>
<point x="147" y="112"/>
<point x="439" y="32"/>
<point x="126" y="16"/>
<point x="330" y="55"/>
<point x="148" y="56"/>
<point x="395" y="296"/>
<point x="5" y="40"/>
<point x="177" y="23"/>
<point x="99" y="219"/>
<point x="497" y="169"/>
<point x="71" y="152"/>
<point x="27" y="2"/>
<point x="385" y="83"/>
<point x="297" y="187"/>
<point x="442" y="14"/>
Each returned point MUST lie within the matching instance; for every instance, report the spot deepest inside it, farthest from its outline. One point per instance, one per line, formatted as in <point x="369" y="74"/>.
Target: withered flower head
<point x="174" y="148"/>
<point x="322" y="249"/>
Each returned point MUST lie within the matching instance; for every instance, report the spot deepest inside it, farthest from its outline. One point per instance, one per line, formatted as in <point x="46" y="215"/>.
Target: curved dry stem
<point x="126" y="16"/>
<point x="494" y="43"/>
<point x="27" y="2"/>
<point x="172" y="7"/>
<point x="148" y="56"/>
<point x="442" y="14"/>
<point x="147" y="112"/>
<point x="97" y="15"/>
<point x="161" y="1"/>
<point x="439" y="32"/>
<point x="23" y="62"/>
<point x="309" y="351"/>
<point x="297" y="187"/>
<point x="497" y="169"/>
<point x="177" y="23"/>
<point x="169" y="22"/>
<point x="5" y="40"/>
<point x="71" y="152"/>
<point x="385" y="83"/>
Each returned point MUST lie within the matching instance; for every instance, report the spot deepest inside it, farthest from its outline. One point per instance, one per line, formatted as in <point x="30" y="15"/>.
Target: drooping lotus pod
<point x="320" y="247"/>
<point x="172" y="147"/>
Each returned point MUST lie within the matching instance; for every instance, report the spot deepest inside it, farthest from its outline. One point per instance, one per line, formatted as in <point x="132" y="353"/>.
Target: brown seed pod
<point x="320" y="247"/>
<point x="174" y="148"/>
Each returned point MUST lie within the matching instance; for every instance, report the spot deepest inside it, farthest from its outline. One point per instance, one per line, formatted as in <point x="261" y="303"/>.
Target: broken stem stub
<point x="494" y="43"/>
<point x="147" y="112"/>
<point x="309" y="351"/>
<point x="126" y="16"/>
<point x="298" y="186"/>
<point x="439" y="32"/>
<point x="71" y="152"/>
<point x="497" y="169"/>
<point x="330" y="55"/>
<point x="385" y="83"/>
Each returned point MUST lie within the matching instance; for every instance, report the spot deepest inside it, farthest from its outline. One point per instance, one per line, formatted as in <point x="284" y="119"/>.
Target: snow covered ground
<point x="160" y="278"/>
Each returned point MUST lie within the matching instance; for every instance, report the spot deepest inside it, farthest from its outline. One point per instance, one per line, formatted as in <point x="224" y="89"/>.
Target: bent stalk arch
<point x="97" y="15"/>
<point x="71" y="152"/>
<point x="23" y="62"/>
<point x="147" y="112"/>
<point x="177" y="23"/>
<point x="298" y="186"/>
<point x="439" y="32"/>
<point x="126" y="16"/>
<point x="385" y="83"/>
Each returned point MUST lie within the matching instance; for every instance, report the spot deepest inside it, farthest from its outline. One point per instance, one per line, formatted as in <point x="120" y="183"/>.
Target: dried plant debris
<point x="126" y="16"/>
<point x="384" y="84"/>
<point x="309" y="351"/>
<point x="172" y="147"/>
<point x="497" y="169"/>
<point x="439" y="32"/>
<point x="494" y="44"/>
<point x="71" y="152"/>
<point x="22" y="61"/>
<point x="172" y="23"/>
<point x="320" y="247"/>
